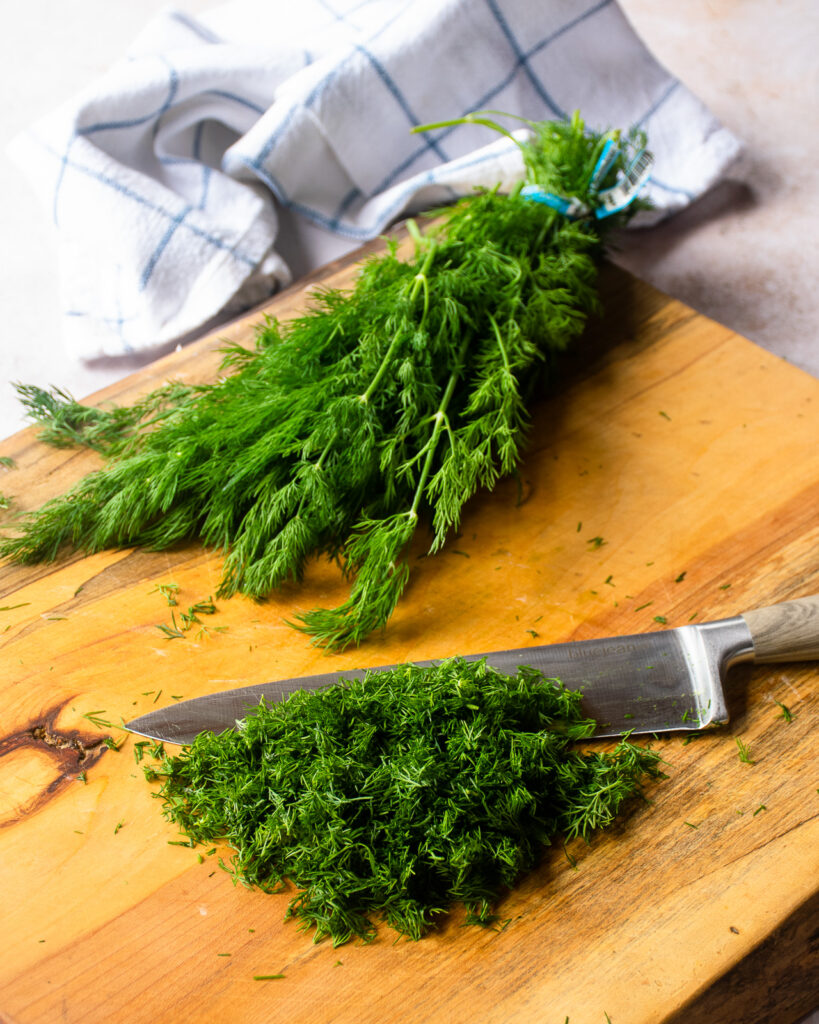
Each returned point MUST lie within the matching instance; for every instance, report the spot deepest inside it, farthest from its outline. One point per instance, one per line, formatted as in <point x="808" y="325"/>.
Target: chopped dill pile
<point x="381" y="406"/>
<point x="401" y="793"/>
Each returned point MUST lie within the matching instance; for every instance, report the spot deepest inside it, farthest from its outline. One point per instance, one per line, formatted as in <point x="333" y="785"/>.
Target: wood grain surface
<point x="693" y="455"/>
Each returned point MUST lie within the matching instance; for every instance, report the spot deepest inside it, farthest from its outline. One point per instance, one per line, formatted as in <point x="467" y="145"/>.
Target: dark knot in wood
<point x="71" y="751"/>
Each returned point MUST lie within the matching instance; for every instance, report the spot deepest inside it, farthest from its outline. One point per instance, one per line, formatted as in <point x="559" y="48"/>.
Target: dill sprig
<point x="65" y="422"/>
<point x="380" y="406"/>
<point x="400" y="793"/>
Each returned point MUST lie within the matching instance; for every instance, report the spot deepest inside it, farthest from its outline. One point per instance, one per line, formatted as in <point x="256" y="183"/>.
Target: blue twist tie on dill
<point x="401" y="793"/>
<point x="394" y="401"/>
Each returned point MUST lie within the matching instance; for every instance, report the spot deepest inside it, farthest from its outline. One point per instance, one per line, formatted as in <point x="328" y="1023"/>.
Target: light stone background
<point x="747" y="255"/>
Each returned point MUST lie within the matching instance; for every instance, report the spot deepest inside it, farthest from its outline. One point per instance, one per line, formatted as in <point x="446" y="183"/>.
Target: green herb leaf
<point x="787" y="714"/>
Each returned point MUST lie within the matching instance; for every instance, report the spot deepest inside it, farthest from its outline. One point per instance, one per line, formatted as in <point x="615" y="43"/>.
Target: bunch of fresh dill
<point x="397" y="399"/>
<point x="401" y="793"/>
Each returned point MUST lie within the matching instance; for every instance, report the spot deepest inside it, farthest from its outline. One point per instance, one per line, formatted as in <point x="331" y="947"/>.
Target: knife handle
<point x="787" y="631"/>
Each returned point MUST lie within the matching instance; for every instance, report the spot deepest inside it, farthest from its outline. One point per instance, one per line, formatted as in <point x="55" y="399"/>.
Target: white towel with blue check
<point x="166" y="180"/>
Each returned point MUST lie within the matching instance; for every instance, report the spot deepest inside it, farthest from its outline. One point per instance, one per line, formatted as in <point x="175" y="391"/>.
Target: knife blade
<point x="664" y="681"/>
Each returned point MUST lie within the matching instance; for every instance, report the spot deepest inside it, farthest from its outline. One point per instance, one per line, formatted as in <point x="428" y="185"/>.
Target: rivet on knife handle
<point x="787" y="631"/>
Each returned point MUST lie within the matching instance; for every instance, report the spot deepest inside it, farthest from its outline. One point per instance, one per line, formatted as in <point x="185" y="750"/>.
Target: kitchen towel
<point x="167" y="178"/>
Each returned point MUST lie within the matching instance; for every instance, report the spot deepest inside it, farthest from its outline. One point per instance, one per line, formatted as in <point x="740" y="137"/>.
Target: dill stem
<point x="501" y="346"/>
<point x="439" y="418"/>
<point x="419" y="281"/>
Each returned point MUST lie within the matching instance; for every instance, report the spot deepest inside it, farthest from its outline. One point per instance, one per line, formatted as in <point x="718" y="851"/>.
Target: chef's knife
<point x="650" y="682"/>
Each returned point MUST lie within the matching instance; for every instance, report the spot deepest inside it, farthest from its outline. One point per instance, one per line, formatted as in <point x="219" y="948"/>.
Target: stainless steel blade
<point x="651" y="682"/>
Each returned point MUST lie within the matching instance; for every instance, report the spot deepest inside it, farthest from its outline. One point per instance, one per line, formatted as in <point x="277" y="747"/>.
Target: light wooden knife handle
<point x="787" y="631"/>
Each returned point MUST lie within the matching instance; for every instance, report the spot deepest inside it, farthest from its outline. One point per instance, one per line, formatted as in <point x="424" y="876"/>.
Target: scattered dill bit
<point x="119" y="825"/>
<point x="111" y="744"/>
<point x="692" y="617"/>
<point x="608" y="580"/>
<point x="181" y="842"/>
<point x="177" y="696"/>
<point x="95" y="719"/>
<point x="200" y="858"/>
<point x="734" y="930"/>
<point x="191" y="616"/>
<point x="596" y="542"/>
<point x="337" y="963"/>
<point x="139" y="750"/>
<point x="79" y="589"/>
<point x="787" y="714"/>
<point x="744" y="752"/>
<point x="156" y="698"/>
<point x="640" y="608"/>
<point x="7" y="462"/>
<point x="690" y="824"/>
<point x="661" y="619"/>
<point x="725" y="586"/>
<point x="56" y="618"/>
<point x="381" y="406"/>
<point x="172" y="632"/>
<point x="266" y="977"/>
<point x="680" y="578"/>
<point x="533" y="632"/>
<point x="579" y="527"/>
<point x="5" y="501"/>
<point x="224" y="954"/>
<point x="11" y="607"/>
<point x="465" y="554"/>
<point x="664" y="415"/>
<point x="83" y="778"/>
<point x="761" y="807"/>
<point x="402" y="792"/>
<point x="168" y="591"/>
<point x="628" y="715"/>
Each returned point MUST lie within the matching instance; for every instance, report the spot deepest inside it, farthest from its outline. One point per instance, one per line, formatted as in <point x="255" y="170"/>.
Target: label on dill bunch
<point x="398" y="795"/>
<point x="618" y="197"/>
<point x="607" y="201"/>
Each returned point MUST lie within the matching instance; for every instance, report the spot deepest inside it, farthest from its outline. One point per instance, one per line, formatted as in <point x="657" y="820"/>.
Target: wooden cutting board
<point x="693" y="455"/>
